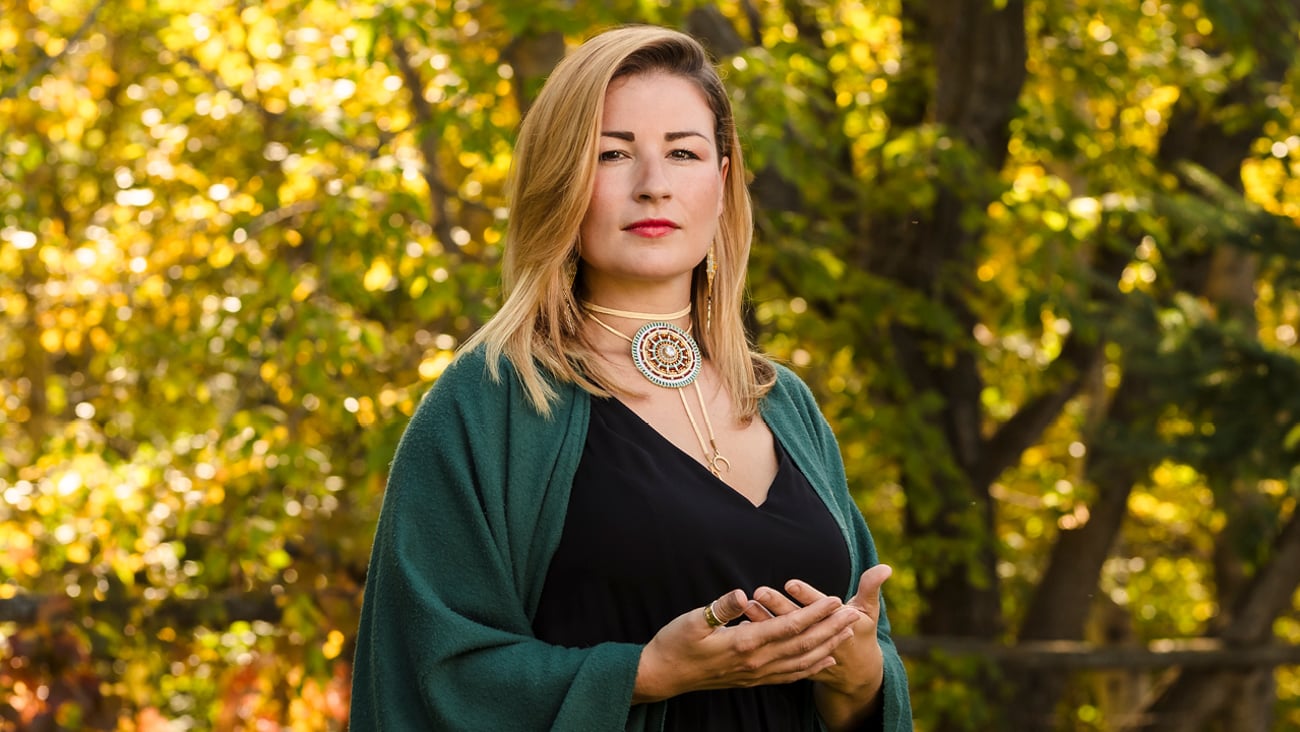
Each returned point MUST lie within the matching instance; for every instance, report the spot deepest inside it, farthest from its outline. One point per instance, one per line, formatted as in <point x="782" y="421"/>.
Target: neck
<point x="605" y="323"/>
<point x="660" y="297"/>
<point x="642" y="315"/>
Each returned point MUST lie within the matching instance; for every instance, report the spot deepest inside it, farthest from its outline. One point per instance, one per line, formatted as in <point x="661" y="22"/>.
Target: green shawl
<point x="474" y="508"/>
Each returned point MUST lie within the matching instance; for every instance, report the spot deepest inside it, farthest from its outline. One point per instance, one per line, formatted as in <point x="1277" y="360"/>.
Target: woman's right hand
<point x="690" y="655"/>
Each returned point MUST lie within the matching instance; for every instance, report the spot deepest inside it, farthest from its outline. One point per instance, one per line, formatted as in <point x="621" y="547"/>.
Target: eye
<point x="611" y="155"/>
<point x="683" y="154"/>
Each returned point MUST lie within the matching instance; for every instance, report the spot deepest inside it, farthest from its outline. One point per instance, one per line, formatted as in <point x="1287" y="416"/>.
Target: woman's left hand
<point x="855" y="679"/>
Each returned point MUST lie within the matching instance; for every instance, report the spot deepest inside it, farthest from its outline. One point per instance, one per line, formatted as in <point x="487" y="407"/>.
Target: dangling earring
<point x="570" y="322"/>
<point x="710" y="266"/>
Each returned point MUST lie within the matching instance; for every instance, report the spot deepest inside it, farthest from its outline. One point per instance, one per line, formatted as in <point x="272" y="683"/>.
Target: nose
<point x="652" y="181"/>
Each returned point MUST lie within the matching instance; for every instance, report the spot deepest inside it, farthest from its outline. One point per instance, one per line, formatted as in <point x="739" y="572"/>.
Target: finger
<point x="799" y="673"/>
<point x="801" y="629"/>
<point x="730" y="606"/>
<point x="867" y="598"/>
<point x="775" y="602"/>
<point x="787" y="671"/>
<point x="756" y="612"/>
<point x="803" y="592"/>
<point x="800" y="657"/>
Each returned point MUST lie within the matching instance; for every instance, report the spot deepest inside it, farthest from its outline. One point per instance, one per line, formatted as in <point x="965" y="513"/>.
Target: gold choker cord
<point x="667" y="356"/>
<point x="632" y="315"/>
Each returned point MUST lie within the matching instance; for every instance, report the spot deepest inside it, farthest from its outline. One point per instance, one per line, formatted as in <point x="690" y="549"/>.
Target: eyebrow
<point x="670" y="137"/>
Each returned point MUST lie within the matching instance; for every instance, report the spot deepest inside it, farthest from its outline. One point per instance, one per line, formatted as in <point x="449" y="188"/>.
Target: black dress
<point x="651" y="533"/>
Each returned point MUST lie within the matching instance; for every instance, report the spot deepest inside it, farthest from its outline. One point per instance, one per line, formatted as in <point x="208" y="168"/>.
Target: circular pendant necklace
<point x="666" y="355"/>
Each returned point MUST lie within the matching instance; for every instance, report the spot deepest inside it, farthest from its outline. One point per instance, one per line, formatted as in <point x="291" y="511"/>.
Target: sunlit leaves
<point x="219" y="306"/>
<point x="238" y="241"/>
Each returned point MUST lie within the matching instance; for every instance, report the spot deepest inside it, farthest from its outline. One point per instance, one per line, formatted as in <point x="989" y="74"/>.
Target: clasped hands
<point x="783" y="637"/>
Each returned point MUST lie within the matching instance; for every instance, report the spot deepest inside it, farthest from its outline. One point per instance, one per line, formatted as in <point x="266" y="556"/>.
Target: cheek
<point x="598" y="208"/>
<point x="710" y="194"/>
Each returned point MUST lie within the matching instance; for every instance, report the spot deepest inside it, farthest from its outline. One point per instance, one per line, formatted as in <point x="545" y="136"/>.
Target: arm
<point x="469" y="518"/>
<point x="893" y="697"/>
<point x="793" y="412"/>
<point x="847" y="693"/>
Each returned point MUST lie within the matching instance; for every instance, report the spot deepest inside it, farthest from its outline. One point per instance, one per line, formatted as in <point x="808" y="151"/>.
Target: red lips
<point x="652" y="227"/>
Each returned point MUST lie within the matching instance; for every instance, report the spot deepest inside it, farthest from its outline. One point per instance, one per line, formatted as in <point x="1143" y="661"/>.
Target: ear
<point x="723" y="170"/>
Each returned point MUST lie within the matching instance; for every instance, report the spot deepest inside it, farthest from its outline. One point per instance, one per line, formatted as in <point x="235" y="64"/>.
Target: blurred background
<point x="1038" y="260"/>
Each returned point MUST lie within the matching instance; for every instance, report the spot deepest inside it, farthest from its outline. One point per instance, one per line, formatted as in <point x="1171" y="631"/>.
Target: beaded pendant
<point x="666" y="355"/>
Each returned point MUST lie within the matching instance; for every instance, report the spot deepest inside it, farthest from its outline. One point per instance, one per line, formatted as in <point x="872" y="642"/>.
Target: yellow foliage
<point x="333" y="644"/>
<point x="166" y="202"/>
<point x="78" y="553"/>
<point x="303" y="289"/>
<point x="433" y="366"/>
<point x="72" y="342"/>
<point x="51" y="340"/>
<point x="378" y="276"/>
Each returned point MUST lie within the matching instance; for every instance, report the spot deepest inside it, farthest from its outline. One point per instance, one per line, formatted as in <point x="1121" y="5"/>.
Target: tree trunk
<point x="1230" y="288"/>
<point x="1058" y="610"/>
<point x="1197" y="694"/>
<point x="1061" y="602"/>
<point x="979" y="58"/>
<point x="533" y="56"/>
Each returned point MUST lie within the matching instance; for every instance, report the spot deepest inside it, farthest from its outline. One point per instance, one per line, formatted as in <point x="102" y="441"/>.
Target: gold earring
<point x="710" y="267"/>
<point x="570" y="321"/>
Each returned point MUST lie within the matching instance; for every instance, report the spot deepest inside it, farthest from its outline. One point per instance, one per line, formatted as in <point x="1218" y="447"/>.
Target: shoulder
<point x="791" y="409"/>
<point x="475" y="377"/>
<point x="478" y="387"/>
<point x="476" y="371"/>
<point x="466" y="383"/>
<point x="466" y="393"/>
<point x="789" y="392"/>
<point x="479" y="411"/>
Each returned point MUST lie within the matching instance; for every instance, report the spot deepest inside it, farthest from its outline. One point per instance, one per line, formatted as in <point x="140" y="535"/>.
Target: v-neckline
<point x="781" y="459"/>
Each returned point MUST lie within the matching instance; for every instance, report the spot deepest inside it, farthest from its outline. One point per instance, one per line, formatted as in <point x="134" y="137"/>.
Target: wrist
<point x="841" y="706"/>
<point x="854" y="688"/>
<point x="652" y="684"/>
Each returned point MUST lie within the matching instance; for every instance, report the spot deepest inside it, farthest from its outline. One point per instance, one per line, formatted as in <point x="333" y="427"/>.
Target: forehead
<point x="655" y="99"/>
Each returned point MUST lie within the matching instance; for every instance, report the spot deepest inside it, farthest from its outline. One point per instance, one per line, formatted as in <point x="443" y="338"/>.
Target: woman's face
<point x="658" y="190"/>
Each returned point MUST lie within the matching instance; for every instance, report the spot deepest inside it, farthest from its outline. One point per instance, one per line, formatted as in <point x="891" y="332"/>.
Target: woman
<point x="609" y="513"/>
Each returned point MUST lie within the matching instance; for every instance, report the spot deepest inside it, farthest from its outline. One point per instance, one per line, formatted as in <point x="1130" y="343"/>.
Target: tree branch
<point x="1027" y="425"/>
<point x="1269" y="593"/>
<point x="1077" y="656"/>
<point x="176" y="612"/>
<point x="428" y="142"/>
<point x="47" y="61"/>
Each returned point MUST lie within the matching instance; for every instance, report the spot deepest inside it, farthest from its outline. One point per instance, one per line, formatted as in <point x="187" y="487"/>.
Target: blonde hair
<point x="538" y="326"/>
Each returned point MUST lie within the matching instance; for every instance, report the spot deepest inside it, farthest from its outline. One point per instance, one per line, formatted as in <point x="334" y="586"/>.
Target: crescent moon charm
<point x="719" y="464"/>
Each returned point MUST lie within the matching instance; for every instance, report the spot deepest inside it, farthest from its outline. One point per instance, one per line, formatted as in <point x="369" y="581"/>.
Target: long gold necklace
<point x="668" y="356"/>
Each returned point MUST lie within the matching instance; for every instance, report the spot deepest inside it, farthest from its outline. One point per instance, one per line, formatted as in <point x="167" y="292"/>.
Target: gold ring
<point x="710" y="617"/>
